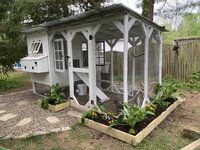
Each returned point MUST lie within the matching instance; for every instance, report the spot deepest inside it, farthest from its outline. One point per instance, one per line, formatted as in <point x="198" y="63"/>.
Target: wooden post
<point x="92" y="67"/>
<point x="160" y="56"/>
<point x="125" y="71"/>
<point x="70" y="64"/>
<point x="133" y="68"/>
<point x="34" y="85"/>
<point x="111" y="69"/>
<point x="148" y="31"/>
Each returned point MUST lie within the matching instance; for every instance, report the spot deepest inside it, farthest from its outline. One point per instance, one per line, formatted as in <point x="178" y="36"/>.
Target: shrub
<point x="55" y="96"/>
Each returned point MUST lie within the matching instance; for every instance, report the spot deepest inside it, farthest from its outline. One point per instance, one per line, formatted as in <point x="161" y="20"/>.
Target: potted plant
<point x="54" y="100"/>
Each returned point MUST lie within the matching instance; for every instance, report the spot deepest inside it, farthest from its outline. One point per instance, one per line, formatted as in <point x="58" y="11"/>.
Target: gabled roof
<point x="93" y="15"/>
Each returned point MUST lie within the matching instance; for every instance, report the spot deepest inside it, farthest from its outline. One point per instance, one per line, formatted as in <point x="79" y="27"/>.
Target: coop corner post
<point x="160" y="56"/>
<point x="91" y="65"/>
<point x="34" y="84"/>
<point x="148" y="31"/>
<point x="70" y="36"/>
<point x="125" y="71"/>
<point x="111" y="68"/>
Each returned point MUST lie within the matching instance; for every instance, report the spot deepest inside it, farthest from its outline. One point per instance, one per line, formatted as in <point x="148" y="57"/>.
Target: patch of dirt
<point x="187" y="115"/>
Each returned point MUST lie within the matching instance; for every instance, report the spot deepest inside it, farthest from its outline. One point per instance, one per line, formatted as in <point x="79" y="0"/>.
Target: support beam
<point x="34" y="85"/>
<point x="148" y="31"/>
<point x="125" y="71"/>
<point x="70" y="36"/>
<point x="111" y="43"/>
<point x="92" y="68"/>
<point x="119" y="25"/>
<point x="134" y="42"/>
<point x="160" y="56"/>
<point x="133" y="67"/>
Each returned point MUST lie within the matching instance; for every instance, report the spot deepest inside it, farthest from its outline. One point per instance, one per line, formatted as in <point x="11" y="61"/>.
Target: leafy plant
<point x="92" y="114"/>
<point x="166" y="90"/>
<point x="195" y="76"/>
<point x="45" y="103"/>
<point x="131" y="115"/>
<point x="55" y="96"/>
<point x="151" y="107"/>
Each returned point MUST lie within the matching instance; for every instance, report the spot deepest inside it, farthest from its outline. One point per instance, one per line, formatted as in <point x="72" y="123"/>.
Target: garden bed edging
<point x="126" y="137"/>
<point x="59" y="107"/>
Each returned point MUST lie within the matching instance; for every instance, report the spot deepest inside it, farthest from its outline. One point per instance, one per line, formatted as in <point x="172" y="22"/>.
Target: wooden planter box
<point x="128" y="138"/>
<point x="58" y="107"/>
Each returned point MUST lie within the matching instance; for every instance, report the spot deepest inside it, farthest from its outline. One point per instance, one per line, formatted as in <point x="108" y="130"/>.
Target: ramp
<point x="83" y="76"/>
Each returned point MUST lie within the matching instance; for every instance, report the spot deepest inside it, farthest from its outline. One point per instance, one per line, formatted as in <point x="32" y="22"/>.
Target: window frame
<point x="57" y="50"/>
<point x="35" y="47"/>
<point x="98" y="52"/>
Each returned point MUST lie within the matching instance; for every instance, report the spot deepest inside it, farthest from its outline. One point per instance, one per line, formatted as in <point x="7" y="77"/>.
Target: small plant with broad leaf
<point x="165" y="91"/>
<point x="131" y="115"/>
<point x="55" y="96"/>
<point x="92" y="114"/>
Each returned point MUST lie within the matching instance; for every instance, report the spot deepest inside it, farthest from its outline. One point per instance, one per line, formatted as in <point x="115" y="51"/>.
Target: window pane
<point x="84" y="46"/>
<point x="60" y="55"/>
<point x="101" y="61"/>
<point x="56" y="54"/>
<point x="55" y="44"/>
<point x="40" y="49"/>
<point x="59" y="45"/>
<point x="61" y="65"/>
<point x="57" y="65"/>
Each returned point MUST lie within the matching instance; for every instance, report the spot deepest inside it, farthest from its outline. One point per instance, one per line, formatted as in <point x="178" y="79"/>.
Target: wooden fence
<point x="179" y="64"/>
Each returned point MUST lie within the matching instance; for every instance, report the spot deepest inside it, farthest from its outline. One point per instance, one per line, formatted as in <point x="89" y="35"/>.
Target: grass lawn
<point x="13" y="80"/>
<point x="83" y="138"/>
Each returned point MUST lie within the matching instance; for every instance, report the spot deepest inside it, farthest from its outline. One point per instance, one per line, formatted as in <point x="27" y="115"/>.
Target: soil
<point x="138" y="126"/>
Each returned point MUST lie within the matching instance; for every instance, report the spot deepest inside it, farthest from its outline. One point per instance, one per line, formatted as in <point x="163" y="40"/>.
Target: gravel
<point x="39" y="124"/>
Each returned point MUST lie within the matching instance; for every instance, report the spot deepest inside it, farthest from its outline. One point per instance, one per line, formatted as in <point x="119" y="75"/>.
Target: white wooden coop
<point x="73" y="49"/>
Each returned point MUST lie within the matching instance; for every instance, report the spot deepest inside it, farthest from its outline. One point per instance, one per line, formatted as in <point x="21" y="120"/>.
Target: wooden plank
<point x="56" y="108"/>
<point x="192" y="146"/>
<point x="131" y="139"/>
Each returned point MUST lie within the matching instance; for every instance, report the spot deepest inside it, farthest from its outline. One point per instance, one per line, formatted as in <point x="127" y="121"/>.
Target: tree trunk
<point x="148" y="8"/>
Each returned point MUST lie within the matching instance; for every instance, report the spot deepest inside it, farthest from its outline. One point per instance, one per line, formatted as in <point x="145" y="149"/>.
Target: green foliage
<point x="192" y="84"/>
<point x="18" y="14"/>
<point x="131" y="115"/>
<point x="13" y="80"/>
<point x="55" y="96"/>
<point x="45" y="103"/>
<point x="151" y="107"/>
<point x="166" y="90"/>
<point x="195" y="76"/>
<point x="189" y="27"/>
<point x="92" y="114"/>
<point x="145" y="7"/>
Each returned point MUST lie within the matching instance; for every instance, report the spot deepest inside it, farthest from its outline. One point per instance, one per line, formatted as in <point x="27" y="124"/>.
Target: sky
<point x="129" y="3"/>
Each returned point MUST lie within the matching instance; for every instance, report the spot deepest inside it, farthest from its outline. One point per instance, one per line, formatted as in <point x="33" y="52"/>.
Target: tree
<point x="12" y="43"/>
<point x="148" y="8"/>
<point x="16" y="14"/>
<point x="189" y="27"/>
<point x="167" y="8"/>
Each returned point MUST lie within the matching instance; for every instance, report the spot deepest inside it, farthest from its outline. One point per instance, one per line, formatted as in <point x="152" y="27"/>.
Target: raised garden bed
<point x="58" y="107"/>
<point x="122" y="135"/>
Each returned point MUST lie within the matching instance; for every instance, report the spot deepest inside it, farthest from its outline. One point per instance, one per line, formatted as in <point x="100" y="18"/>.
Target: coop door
<point x="59" y="55"/>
